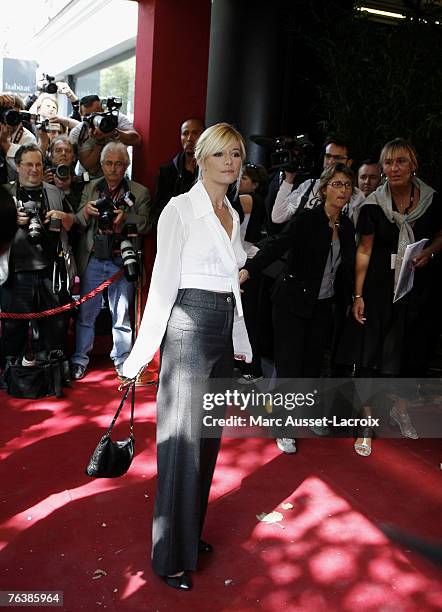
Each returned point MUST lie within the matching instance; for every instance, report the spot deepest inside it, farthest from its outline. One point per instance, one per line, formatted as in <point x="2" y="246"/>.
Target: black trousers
<point x="300" y="343"/>
<point x="197" y="346"/>
<point x="251" y="307"/>
<point x="31" y="292"/>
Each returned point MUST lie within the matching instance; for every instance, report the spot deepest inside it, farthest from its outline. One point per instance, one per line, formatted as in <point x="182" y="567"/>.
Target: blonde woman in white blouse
<point x="194" y="312"/>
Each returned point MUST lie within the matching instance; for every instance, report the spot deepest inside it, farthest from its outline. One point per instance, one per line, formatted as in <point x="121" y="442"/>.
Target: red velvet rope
<point x="65" y="307"/>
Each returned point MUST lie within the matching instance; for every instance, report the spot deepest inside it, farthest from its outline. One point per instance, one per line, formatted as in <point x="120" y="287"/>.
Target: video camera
<point x="45" y="125"/>
<point x="106" y="121"/>
<point x="48" y="85"/>
<point x="291" y="153"/>
<point x="12" y="117"/>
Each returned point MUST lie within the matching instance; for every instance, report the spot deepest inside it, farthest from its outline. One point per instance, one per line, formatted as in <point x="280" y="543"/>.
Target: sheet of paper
<point x="406" y="274"/>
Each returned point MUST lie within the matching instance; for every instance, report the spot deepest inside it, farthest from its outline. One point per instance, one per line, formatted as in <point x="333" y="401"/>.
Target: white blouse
<point x="193" y="251"/>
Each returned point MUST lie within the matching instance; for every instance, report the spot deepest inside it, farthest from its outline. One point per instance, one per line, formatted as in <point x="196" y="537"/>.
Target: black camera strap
<point x="103" y="190"/>
<point x="305" y="196"/>
<point x="84" y="134"/>
<point x="18" y="135"/>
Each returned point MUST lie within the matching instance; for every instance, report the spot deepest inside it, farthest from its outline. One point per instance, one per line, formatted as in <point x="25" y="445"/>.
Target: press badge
<point x="393" y="261"/>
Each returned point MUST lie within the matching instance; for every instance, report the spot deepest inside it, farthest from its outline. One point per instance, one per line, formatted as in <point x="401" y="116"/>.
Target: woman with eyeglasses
<point x="386" y="338"/>
<point x="319" y="271"/>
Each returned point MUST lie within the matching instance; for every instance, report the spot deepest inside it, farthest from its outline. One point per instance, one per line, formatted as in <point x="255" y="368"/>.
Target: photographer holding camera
<point x="113" y="211"/>
<point x="100" y="126"/>
<point x="288" y="202"/>
<point x="13" y="134"/>
<point x="33" y="282"/>
<point x="59" y="170"/>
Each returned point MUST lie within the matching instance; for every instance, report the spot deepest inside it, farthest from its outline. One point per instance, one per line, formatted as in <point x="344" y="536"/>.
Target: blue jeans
<point x="120" y="294"/>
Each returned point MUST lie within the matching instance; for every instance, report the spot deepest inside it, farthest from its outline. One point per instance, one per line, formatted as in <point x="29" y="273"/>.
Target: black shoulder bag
<point x="111" y="459"/>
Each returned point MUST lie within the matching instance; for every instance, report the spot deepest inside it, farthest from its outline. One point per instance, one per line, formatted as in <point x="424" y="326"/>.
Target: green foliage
<point x="380" y="82"/>
<point x="117" y="80"/>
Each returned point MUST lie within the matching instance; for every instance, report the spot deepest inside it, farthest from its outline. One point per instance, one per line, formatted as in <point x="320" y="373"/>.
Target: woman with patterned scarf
<point x="386" y="338"/>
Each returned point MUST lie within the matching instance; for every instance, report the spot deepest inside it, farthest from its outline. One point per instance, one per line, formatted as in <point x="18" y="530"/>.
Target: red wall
<point x="171" y="77"/>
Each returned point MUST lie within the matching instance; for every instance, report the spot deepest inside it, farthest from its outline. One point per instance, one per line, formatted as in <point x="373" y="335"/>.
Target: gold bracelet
<point x="357" y="295"/>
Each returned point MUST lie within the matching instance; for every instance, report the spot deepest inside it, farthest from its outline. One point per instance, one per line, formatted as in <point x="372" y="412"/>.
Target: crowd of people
<point x="76" y="207"/>
<point x="222" y="224"/>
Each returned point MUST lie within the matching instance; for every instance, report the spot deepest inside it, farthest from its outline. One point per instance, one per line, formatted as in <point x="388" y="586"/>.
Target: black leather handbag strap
<point x="132" y="406"/>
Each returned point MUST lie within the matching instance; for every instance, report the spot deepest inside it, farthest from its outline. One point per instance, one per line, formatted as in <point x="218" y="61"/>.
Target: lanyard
<point x="334" y="262"/>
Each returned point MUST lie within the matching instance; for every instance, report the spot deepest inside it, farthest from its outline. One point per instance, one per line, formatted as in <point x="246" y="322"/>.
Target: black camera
<point x="130" y="230"/>
<point x="12" y="117"/>
<point x="62" y="171"/>
<point x="35" y="227"/>
<point x="106" y="209"/>
<point x="48" y="85"/>
<point x="107" y="121"/>
<point x="113" y="103"/>
<point x="294" y="154"/>
<point x="130" y="260"/>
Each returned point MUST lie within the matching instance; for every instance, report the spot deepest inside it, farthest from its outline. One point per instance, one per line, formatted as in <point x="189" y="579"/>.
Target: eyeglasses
<point x="110" y="164"/>
<point x="336" y="158"/>
<point x="30" y="165"/>
<point x="340" y="184"/>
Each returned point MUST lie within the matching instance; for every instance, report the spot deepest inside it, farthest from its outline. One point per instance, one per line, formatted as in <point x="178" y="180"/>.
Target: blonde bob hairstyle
<point x="390" y="148"/>
<point x="214" y="139"/>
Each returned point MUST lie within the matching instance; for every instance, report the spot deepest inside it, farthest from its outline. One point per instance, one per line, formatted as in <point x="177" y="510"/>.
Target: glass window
<point x="114" y="80"/>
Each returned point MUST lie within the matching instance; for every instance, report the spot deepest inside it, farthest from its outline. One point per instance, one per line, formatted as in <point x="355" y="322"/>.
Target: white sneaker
<point x="286" y="445"/>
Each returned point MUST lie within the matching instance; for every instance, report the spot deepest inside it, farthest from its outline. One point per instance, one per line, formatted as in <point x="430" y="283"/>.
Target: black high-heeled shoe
<point x="182" y="582"/>
<point x="204" y="547"/>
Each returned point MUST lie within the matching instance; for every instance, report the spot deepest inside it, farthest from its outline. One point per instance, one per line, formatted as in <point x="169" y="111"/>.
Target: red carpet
<point x="327" y="553"/>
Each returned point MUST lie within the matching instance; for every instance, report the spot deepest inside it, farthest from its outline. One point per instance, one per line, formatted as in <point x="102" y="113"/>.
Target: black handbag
<point x="47" y="377"/>
<point x="111" y="459"/>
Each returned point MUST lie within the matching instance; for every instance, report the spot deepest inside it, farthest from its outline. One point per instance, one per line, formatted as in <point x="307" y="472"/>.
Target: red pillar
<point x="172" y="55"/>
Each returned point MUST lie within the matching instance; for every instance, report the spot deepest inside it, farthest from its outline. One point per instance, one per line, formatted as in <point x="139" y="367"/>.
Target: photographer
<point x="48" y="88"/>
<point x="287" y="201"/>
<point x="13" y="134"/>
<point x="90" y="139"/>
<point x="32" y="284"/>
<point x="59" y="170"/>
<point x="112" y="210"/>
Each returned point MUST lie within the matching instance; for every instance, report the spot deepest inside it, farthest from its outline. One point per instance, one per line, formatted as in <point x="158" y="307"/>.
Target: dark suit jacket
<point x="173" y="180"/>
<point x="307" y="237"/>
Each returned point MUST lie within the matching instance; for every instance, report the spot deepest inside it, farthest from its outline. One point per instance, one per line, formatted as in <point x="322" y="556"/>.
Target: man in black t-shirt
<point x="180" y="173"/>
<point x="33" y="283"/>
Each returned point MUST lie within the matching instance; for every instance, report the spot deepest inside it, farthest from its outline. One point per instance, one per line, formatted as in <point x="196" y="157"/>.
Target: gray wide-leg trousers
<point x="197" y="346"/>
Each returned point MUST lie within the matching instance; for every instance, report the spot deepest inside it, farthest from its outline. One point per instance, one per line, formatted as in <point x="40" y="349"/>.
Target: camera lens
<point x="63" y="171"/>
<point x="51" y="88"/>
<point x="12" y="117"/>
<point x="130" y="262"/>
<point x="34" y="229"/>
<point x="106" y="211"/>
<point x="106" y="123"/>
